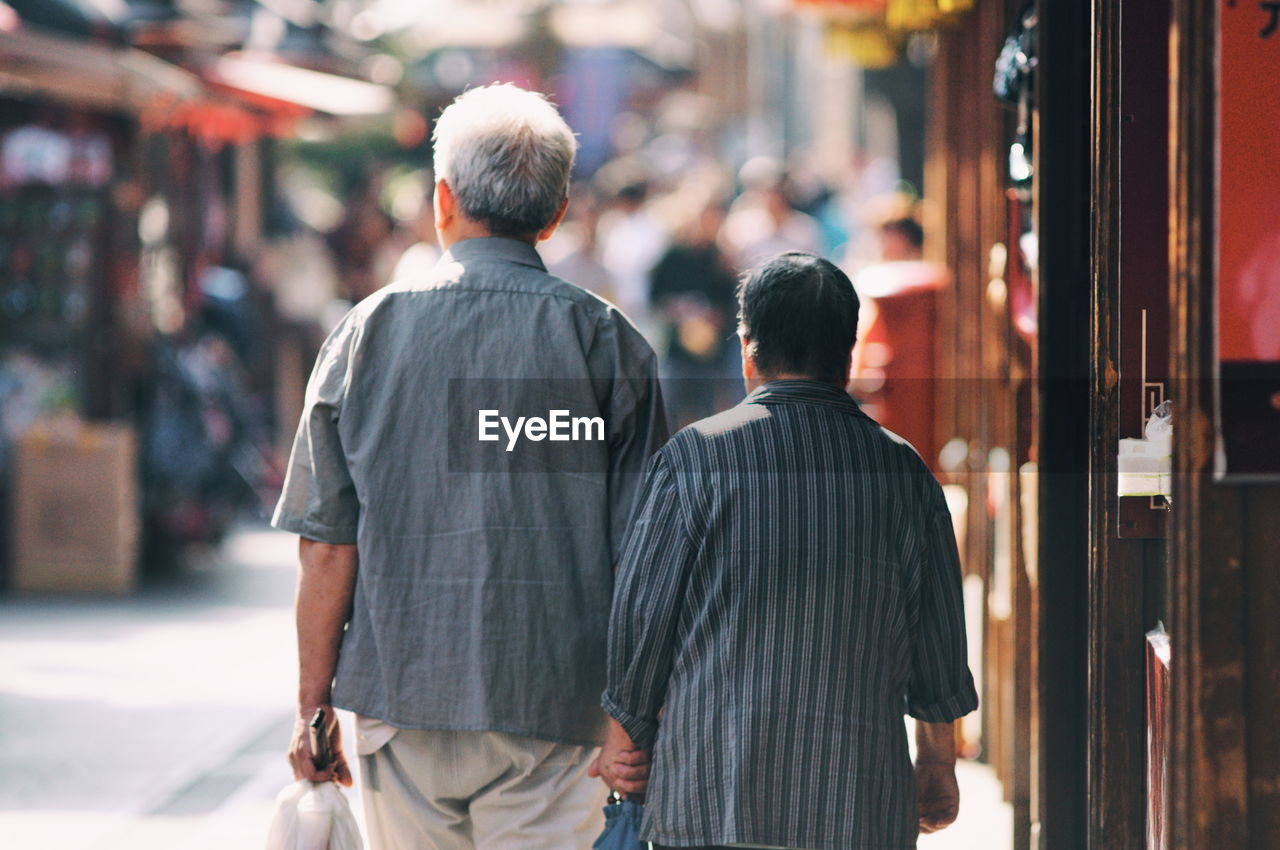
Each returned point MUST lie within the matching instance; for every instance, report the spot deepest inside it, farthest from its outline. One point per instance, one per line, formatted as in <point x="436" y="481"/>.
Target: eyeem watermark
<point x="558" y="427"/>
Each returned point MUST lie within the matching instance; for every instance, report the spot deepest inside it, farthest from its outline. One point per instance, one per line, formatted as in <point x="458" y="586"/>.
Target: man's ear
<point x="444" y="204"/>
<point x="545" y="233"/>
<point x="748" y="362"/>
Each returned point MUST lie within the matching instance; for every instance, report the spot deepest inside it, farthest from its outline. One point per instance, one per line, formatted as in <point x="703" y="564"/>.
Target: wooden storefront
<point x="1123" y="270"/>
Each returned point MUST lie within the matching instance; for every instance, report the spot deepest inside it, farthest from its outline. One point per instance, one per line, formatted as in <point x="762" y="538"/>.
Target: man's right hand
<point x="621" y="765"/>
<point x="326" y="583"/>
<point x="626" y="771"/>
<point x="938" y="795"/>
<point x="936" y="788"/>
<point x="301" y="757"/>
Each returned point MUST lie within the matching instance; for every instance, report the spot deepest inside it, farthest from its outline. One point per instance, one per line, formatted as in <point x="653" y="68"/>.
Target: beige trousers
<point x="439" y="790"/>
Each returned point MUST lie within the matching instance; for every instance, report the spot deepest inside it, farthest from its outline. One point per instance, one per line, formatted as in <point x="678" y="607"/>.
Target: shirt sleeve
<point x="319" y="499"/>
<point x="941" y="688"/>
<point x="637" y="426"/>
<point x="651" y="581"/>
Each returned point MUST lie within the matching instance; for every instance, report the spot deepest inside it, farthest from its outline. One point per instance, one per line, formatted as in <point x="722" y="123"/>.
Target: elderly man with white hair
<point x="466" y="462"/>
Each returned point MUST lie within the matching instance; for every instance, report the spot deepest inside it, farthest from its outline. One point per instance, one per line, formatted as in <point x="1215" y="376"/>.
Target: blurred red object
<point x="895" y="362"/>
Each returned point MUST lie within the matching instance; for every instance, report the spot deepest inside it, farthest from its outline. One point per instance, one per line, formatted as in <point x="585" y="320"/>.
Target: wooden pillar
<point x="1224" y="590"/>
<point x="1066" y="430"/>
<point x="981" y="367"/>
<point x="1128" y="271"/>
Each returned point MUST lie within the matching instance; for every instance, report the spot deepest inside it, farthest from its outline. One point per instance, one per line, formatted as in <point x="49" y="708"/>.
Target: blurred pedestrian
<point x="456" y="599"/>
<point x="693" y="288"/>
<point x="360" y="243"/>
<point x="895" y="368"/>
<point x="420" y="257"/>
<point x="789" y="586"/>
<point x="573" y="253"/>
<point x="632" y="240"/>
<point x="763" y="222"/>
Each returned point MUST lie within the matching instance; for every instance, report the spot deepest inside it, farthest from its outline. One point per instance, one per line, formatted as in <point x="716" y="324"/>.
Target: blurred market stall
<point x="137" y="188"/>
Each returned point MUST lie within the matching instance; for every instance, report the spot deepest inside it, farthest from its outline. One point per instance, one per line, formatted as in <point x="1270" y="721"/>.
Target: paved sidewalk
<point x="154" y="721"/>
<point x="160" y="721"/>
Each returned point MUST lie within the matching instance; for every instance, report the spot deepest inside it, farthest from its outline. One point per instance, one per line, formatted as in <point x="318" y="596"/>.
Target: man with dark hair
<point x="799" y="319"/>
<point x="789" y="586"/>
<point x="901" y="239"/>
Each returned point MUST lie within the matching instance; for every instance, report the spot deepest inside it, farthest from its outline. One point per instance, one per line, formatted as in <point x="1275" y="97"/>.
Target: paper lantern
<point x="871" y="47"/>
<point x="912" y="15"/>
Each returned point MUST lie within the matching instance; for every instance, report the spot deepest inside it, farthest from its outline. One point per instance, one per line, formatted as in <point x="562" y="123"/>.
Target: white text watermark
<point x="558" y="426"/>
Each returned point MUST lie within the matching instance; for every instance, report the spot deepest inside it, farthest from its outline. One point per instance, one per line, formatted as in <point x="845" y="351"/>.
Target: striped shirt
<point x="788" y="588"/>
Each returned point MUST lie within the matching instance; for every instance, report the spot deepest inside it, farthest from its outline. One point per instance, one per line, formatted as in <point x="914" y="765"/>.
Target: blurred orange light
<point x="410" y="128"/>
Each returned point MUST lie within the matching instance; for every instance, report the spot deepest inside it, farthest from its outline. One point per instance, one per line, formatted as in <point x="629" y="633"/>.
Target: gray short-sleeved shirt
<point x="485" y="566"/>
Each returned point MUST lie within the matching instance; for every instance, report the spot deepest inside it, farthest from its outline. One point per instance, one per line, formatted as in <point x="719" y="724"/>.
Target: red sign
<point x="1248" y="236"/>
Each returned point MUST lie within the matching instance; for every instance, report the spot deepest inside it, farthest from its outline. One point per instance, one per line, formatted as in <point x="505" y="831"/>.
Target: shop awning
<point x="87" y="18"/>
<point x="643" y="26"/>
<point x="40" y="62"/>
<point x="265" y="78"/>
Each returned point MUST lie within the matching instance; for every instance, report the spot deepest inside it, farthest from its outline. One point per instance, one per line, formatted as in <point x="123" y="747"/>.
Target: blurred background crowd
<point x="194" y="191"/>
<point x="1058" y="215"/>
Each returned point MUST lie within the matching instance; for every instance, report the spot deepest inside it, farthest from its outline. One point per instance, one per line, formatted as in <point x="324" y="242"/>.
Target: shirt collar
<point x="791" y="391"/>
<point x="494" y="248"/>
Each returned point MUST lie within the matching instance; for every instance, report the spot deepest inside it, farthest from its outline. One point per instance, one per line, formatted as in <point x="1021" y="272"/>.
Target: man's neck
<point x="462" y="230"/>
<point x="755" y="383"/>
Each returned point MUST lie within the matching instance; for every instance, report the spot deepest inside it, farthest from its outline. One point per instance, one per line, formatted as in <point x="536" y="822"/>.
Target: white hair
<point x="506" y="154"/>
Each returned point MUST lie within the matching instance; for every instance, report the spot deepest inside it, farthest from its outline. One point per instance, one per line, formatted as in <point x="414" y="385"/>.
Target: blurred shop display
<point x="138" y="145"/>
<point x="75" y="517"/>
<point x="30" y="390"/>
<point x="875" y="33"/>
<point x="51" y="212"/>
<point x="1145" y="464"/>
<point x="206" y="447"/>
<point x="1013" y="85"/>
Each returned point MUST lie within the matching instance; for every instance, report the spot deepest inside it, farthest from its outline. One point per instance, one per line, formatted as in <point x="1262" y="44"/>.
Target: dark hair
<point x="908" y="228"/>
<point x="633" y="192"/>
<point x="800" y="313"/>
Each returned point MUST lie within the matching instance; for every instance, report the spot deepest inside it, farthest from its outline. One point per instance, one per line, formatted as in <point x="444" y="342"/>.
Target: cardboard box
<point x="75" y="508"/>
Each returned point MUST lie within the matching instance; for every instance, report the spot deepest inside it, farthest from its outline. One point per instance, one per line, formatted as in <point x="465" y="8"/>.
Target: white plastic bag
<point x="313" y="816"/>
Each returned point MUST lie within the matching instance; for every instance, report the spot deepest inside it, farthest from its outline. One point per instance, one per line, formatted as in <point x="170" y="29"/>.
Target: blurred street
<point x="160" y="720"/>
<point x="153" y="721"/>
<point x="1058" y="217"/>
